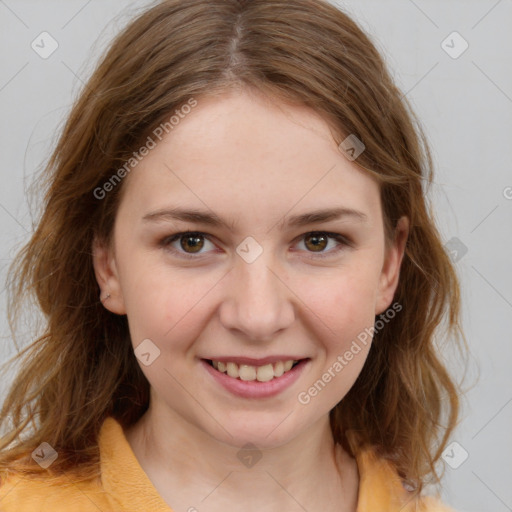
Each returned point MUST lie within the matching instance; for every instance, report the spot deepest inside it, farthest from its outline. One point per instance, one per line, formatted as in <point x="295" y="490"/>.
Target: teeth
<point x="288" y="365"/>
<point x="278" y="369"/>
<point x="247" y="372"/>
<point x="233" y="370"/>
<point x="265" y="373"/>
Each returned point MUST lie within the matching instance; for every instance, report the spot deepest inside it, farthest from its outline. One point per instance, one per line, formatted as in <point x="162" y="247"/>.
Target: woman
<point x="240" y="275"/>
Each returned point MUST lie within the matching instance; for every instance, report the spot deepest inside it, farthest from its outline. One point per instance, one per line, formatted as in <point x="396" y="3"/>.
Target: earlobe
<point x="107" y="277"/>
<point x="391" y="269"/>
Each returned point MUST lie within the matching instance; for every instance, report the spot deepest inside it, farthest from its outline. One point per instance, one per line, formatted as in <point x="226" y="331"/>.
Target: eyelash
<point x="168" y="240"/>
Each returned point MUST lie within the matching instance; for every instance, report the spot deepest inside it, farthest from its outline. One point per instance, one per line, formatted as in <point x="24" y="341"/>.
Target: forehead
<point x="242" y="153"/>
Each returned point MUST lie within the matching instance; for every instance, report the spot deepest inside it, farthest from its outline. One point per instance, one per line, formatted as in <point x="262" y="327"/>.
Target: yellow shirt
<point x="125" y="487"/>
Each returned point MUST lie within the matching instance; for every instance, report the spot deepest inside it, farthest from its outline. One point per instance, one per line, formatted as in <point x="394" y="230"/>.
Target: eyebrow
<point x="211" y="219"/>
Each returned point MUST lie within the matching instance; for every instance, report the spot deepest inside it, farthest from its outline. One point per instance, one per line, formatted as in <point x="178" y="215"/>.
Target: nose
<point x="258" y="303"/>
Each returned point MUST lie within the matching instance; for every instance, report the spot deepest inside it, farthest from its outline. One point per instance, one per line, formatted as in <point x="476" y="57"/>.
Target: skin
<point x="254" y="162"/>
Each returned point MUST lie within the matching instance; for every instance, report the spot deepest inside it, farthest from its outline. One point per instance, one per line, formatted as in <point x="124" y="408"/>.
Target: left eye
<point x="318" y="241"/>
<point x="192" y="242"/>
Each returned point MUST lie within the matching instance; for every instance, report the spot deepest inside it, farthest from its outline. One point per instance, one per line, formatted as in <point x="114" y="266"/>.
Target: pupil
<point x="196" y="244"/>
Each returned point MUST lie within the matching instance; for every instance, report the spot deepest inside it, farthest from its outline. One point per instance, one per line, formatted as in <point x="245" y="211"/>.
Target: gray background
<point x="465" y="104"/>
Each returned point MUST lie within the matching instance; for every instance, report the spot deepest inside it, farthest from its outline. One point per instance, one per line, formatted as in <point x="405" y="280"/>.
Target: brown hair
<point x="82" y="367"/>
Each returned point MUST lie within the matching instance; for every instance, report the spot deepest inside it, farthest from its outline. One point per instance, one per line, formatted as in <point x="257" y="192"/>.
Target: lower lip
<point x="254" y="388"/>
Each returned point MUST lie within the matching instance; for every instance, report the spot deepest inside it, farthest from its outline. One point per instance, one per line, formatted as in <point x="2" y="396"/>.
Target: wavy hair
<point x="82" y="369"/>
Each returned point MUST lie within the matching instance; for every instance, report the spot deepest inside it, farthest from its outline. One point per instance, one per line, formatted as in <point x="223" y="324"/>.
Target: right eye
<point x="190" y="243"/>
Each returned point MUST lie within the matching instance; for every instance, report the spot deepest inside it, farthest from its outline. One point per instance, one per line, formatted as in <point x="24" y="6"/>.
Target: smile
<point x="247" y="372"/>
<point x="246" y="378"/>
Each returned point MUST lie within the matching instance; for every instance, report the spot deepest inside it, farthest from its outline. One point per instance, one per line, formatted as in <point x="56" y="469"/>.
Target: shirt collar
<point x="121" y="474"/>
<point x="380" y="487"/>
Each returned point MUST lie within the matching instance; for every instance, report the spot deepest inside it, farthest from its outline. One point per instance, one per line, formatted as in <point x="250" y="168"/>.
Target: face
<point x="246" y="242"/>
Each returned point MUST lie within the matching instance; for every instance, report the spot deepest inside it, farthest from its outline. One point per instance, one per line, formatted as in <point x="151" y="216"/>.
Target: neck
<point x="190" y="469"/>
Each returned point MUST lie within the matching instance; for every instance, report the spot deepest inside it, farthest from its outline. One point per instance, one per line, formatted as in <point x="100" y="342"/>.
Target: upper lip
<point x="254" y="362"/>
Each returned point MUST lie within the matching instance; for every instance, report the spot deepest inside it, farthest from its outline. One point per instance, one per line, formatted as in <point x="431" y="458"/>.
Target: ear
<point x="106" y="273"/>
<point x="390" y="274"/>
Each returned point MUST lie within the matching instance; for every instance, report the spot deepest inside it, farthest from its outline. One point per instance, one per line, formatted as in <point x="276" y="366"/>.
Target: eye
<point x="316" y="242"/>
<point x="189" y="243"/>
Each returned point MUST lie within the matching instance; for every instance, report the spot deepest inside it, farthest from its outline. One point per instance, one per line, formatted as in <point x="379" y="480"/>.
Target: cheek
<point x="342" y="313"/>
<point x="162" y="302"/>
<point x="344" y="301"/>
<point x="342" y="309"/>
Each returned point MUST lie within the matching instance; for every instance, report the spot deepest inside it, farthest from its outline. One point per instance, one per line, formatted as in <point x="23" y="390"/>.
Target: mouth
<point x="253" y="372"/>
<point x="255" y="378"/>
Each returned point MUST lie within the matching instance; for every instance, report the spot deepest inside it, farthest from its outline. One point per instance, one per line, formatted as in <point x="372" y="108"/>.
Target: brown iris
<point x="193" y="242"/>
<point x="318" y="241"/>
